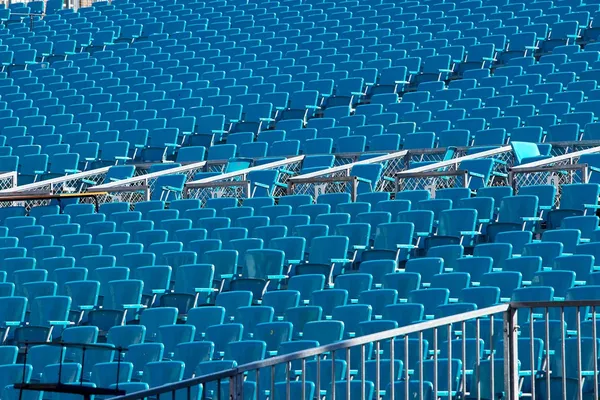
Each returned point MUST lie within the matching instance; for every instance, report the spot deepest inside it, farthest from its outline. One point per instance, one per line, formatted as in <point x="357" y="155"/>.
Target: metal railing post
<point x="511" y="355"/>
<point x="238" y="387"/>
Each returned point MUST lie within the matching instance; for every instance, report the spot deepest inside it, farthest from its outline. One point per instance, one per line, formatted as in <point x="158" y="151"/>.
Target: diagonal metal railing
<point x="557" y="171"/>
<point x="294" y="366"/>
<point x="446" y="174"/>
<point x="140" y="188"/>
<point x="236" y="184"/>
<point x="543" y="349"/>
<point x="73" y="183"/>
<point x="560" y="148"/>
<point x="69" y="184"/>
<point x="338" y="178"/>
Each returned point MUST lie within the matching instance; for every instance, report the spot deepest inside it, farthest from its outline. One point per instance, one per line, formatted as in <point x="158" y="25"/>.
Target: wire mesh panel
<point x="447" y="174"/>
<point x="418" y="156"/>
<point x="557" y="171"/>
<point x="144" y="187"/>
<point x="556" y="175"/>
<point x="8" y="180"/>
<point x="339" y="179"/>
<point x="69" y="184"/>
<point x="560" y="148"/>
<point x="237" y="185"/>
<point x="413" y="156"/>
<point x="346" y="158"/>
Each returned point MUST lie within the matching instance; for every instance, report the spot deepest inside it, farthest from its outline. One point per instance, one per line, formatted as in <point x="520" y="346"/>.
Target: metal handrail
<point x="53" y="181"/>
<point x="406" y="330"/>
<point x="243" y="172"/>
<point x="376" y="337"/>
<point x="454" y="161"/>
<point x="349" y="166"/>
<point x="554" y="304"/>
<point x="142" y="178"/>
<point x="553" y="160"/>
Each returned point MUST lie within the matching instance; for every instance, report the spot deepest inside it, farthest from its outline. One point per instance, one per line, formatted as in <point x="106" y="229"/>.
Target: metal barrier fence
<point x="395" y="177"/>
<point x="90" y="181"/>
<point x="235" y="184"/>
<point x="75" y="183"/>
<point x="140" y="188"/>
<point x="560" y="148"/>
<point x="447" y="174"/>
<point x="393" y="355"/>
<point x="560" y="347"/>
<point x="541" y="350"/>
<point x="336" y="179"/>
<point x="560" y="170"/>
<point x="414" y="155"/>
<point x="8" y="180"/>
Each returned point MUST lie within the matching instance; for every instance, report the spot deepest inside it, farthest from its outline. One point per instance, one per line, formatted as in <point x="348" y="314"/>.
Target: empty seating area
<point x="178" y="287"/>
<point x="189" y="289"/>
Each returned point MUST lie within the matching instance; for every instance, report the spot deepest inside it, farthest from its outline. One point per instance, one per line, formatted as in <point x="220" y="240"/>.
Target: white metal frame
<point x="63" y="184"/>
<point x="194" y="189"/>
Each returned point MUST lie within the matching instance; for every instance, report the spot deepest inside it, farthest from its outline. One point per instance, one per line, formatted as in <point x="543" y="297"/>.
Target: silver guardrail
<point x="443" y="174"/>
<point x="236" y="185"/>
<point x="559" y="170"/>
<point x="336" y="179"/>
<point x="560" y="148"/>
<point x="65" y="185"/>
<point x="559" y="342"/>
<point x="140" y="188"/>
<point x="382" y="344"/>
<point x="541" y="350"/>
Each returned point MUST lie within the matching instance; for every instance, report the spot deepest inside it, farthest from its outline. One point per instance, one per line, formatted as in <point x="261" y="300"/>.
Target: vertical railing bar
<point x="406" y="378"/>
<point x="333" y="374"/>
<point x="532" y="353"/>
<point x="464" y="356"/>
<point x="512" y="385"/>
<point x="288" y="367"/>
<point x="257" y="381"/>
<point x="218" y="389"/>
<point x="435" y="364"/>
<point x="595" y="344"/>
<point x="547" y="340"/>
<point x="579" y="367"/>
<point x="362" y="374"/>
<point x="318" y="375"/>
<point x="303" y="366"/>
<point x="233" y="387"/>
<point x="377" y="369"/>
<point x="449" y="360"/>
<point x="272" y="394"/>
<point x="392" y="357"/>
<point x="492" y="357"/>
<point x="563" y="362"/>
<point x="348" y="373"/>
<point x="478" y="358"/>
